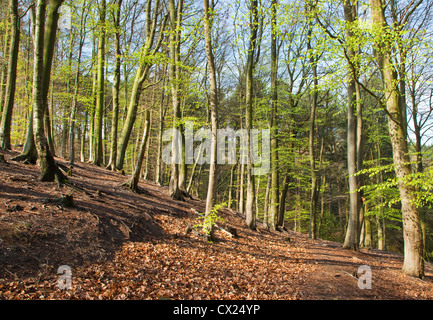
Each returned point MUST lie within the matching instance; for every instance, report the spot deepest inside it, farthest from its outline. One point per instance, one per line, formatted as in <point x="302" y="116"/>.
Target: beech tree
<point x="146" y="54"/>
<point x="44" y="41"/>
<point x="412" y="234"/>
<point x="6" y="118"/>
<point x="250" y="215"/>
<point x="213" y="99"/>
<point x="175" y="12"/>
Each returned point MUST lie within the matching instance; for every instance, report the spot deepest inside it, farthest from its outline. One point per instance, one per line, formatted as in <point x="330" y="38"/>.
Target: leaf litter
<point x="123" y="245"/>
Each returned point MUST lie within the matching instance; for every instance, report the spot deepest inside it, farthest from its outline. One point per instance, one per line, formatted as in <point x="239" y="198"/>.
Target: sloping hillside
<point x="123" y="245"/>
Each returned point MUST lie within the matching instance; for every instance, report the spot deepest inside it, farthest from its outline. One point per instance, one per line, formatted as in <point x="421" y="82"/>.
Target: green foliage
<point x="210" y="219"/>
<point x="387" y="190"/>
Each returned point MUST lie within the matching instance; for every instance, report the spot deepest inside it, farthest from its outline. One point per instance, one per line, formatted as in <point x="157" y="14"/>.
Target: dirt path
<point x="123" y="245"/>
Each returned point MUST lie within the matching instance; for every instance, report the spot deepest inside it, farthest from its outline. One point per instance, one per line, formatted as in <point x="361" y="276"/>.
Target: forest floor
<point x="125" y="245"/>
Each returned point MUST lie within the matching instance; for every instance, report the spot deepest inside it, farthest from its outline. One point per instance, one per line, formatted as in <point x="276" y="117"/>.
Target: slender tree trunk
<point x="274" y="192"/>
<point x="116" y="87"/>
<point x="132" y="183"/>
<point x="158" y="178"/>
<point x="380" y="220"/>
<point x="265" y="222"/>
<point x="413" y="263"/>
<point x="283" y="197"/>
<point x="29" y="153"/>
<point x="367" y="226"/>
<point x="213" y="100"/>
<point x="99" y="111"/>
<point x="93" y="109"/>
<point x="232" y="177"/>
<point x="250" y="215"/>
<point x="75" y="94"/>
<point x="6" y="119"/>
<point x="141" y="75"/>
<point x="3" y="74"/>
<point x="352" y="233"/>
<point x="313" y="194"/>
<point x="240" y="189"/>
<point x="83" y="137"/>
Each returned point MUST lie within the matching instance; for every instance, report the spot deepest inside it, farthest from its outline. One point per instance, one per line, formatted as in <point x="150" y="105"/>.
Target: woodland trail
<point x="124" y="245"/>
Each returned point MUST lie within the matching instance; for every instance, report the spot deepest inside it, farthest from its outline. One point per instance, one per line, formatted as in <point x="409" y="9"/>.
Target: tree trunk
<point x="232" y="176"/>
<point x="274" y="192"/>
<point x="3" y="74"/>
<point x="283" y="197"/>
<point x="137" y="87"/>
<point x="162" y="111"/>
<point x="132" y="183"/>
<point x="266" y="204"/>
<point x="6" y="119"/>
<point x="75" y="94"/>
<point x="250" y="215"/>
<point x="48" y="121"/>
<point x="99" y="111"/>
<point x="116" y="87"/>
<point x="45" y="37"/>
<point x="174" y="73"/>
<point x="213" y="99"/>
<point x="313" y="194"/>
<point x="352" y="233"/>
<point x="413" y="264"/>
<point x="367" y="227"/>
<point x="93" y="109"/>
<point x="83" y="137"/>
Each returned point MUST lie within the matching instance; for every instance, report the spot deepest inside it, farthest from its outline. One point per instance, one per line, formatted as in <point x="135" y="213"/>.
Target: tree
<point x="132" y="183"/>
<point x="45" y="37"/>
<point x="116" y="85"/>
<point x="250" y="215"/>
<point x="213" y="101"/>
<point x="145" y="62"/>
<point x="413" y="264"/>
<point x="175" y="12"/>
<point x="72" y="119"/>
<point x="6" y="119"/>
<point x="274" y="196"/>
<point x="352" y="235"/>
<point x="100" y="86"/>
<point x="314" y="100"/>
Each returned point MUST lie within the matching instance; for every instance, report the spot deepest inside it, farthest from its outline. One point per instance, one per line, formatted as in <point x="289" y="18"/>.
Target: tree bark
<point x="213" y="101"/>
<point x="132" y="183"/>
<point x="75" y="94"/>
<point x="174" y="73"/>
<point x="100" y="96"/>
<point x="274" y="192"/>
<point x="250" y="215"/>
<point x="141" y="75"/>
<point x="413" y="263"/>
<point x="45" y="37"/>
<point x="162" y="111"/>
<point x="313" y="194"/>
<point x="116" y="86"/>
<point x="6" y="120"/>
